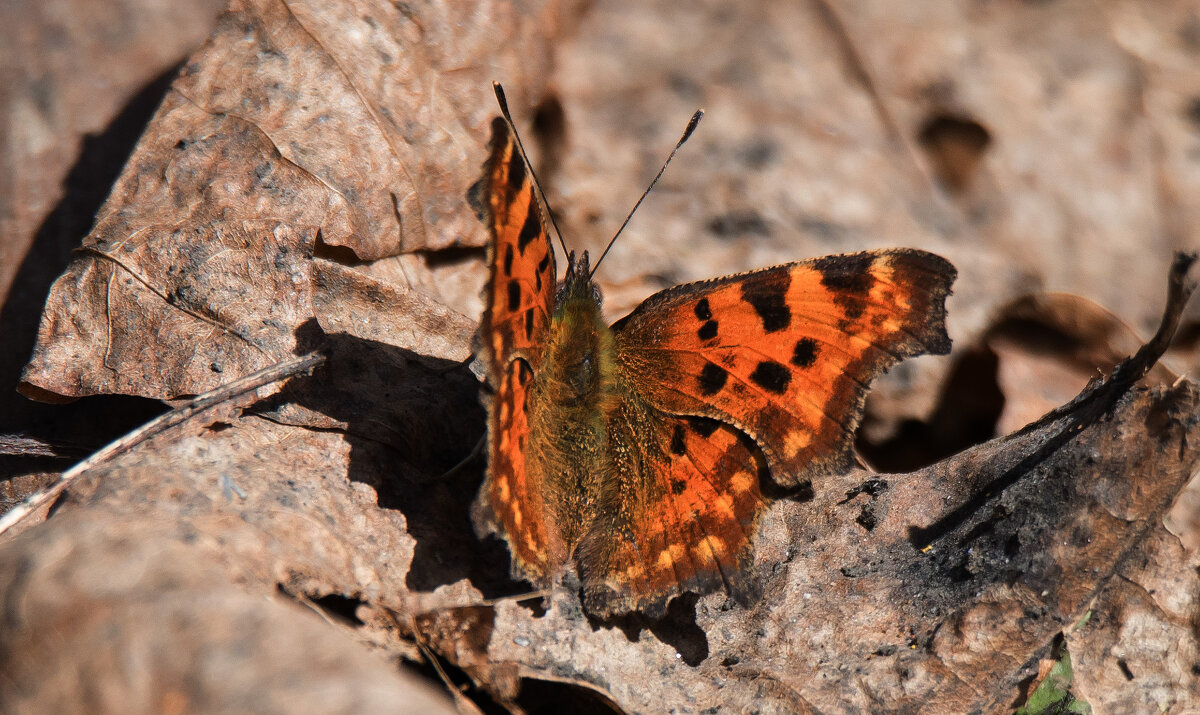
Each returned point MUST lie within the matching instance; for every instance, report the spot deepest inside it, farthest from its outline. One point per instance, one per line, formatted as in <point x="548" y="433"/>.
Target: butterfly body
<point x="571" y="395"/>
<point x="636" y="452"/>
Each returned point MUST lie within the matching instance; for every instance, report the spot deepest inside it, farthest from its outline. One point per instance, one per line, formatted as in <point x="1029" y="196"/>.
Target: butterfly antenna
<point x="521" y="147"/>
<point x="691" y="127"/>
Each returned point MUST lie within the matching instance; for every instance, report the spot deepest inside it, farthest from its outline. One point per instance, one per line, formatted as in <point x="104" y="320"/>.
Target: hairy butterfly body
<point x="636" y="451"/>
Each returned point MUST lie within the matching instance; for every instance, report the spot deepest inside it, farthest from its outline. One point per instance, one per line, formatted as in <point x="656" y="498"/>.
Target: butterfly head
<point x="577" y="284"/>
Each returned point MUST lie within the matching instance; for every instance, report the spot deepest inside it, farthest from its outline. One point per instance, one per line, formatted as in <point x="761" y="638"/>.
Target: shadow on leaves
<point x="409" y="419"/>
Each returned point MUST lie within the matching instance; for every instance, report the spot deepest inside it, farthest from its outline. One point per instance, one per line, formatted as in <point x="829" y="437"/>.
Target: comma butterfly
<point x="636" y="451"/>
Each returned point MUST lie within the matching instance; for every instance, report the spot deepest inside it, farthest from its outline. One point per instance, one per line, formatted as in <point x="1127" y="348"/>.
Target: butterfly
<point x="637" y="452"/>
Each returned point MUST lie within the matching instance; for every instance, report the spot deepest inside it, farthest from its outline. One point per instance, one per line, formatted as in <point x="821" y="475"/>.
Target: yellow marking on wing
<point x="724" y="507"/>
<point x="668" y="556"/>
<point x="709" y="550"/>
<point x="795" y="441"/>
<point x="741" y="482"/>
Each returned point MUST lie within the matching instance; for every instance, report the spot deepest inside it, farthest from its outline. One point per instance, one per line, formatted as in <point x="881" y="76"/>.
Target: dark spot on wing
<point x="532" y="227"/>
<point x="768" y="296"/>
<point x="677" y="446"/>
<point x="847" y="274"/>
<point x="708" y="331"/>
<point x="771" y="376"/>
<point x="516" y="172"/>
<point x="805" y="353"/>
<point x="703" y="311"/>
<point x="678" y="486"/>
<point x="508" y="259"/>
<point x="703" y="427"/>
<point x="514" y="296"/>
<point x="544" y="268"/>
<point x="529" y="324"/>
<point x="712" y="379"/>
<point x="853" y="307"/>
<point x="850" y="278"/>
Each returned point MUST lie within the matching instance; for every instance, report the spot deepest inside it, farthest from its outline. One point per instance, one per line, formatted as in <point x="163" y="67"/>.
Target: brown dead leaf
<point x="69" y="70"/>
<point x="354" y="117"/>
<point x="78" y="81"/>
<point x="169" y="312"/>
<point x="253" y="497"/>
<point x="462" y="636"/>
<point x="349" y="302"/>
<point x="1184" y="518"/>
<point x="1137" y="649"/>
<point x="276" y="138"/>
<point x="144" y="622"/>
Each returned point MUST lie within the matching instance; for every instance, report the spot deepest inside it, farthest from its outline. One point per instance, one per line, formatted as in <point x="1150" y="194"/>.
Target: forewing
<point x="678" y="515"/>
<point x="786" y="353"/>
<point x="518" y="300"/>
<point x="519" y="295"/>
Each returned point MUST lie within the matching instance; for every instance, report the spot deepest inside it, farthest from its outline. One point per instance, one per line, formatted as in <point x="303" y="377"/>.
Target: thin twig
<point x="1061" y="424"/>
<point x="461" y="701"/>
<point x="160" y="424"/>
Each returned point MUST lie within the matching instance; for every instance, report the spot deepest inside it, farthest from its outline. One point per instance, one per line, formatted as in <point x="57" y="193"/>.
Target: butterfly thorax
<point x="571" y="399"/>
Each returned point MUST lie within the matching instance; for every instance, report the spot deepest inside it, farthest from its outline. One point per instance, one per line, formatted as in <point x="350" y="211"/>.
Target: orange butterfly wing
<point x="519" y="295"/>
<point x="785" y="355"/>
<point x="518" y="300"/>
<point x="679" y="515"/>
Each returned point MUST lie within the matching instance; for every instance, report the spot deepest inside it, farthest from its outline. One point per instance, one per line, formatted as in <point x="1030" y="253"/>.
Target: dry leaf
<point x="1137" y="650"/>
<point x="144" y="622"/>
<point x="80" y="80"/>
<point x="272" y="141"/>
<point x="70" y="70"/>
<point x="170" y="312"/>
